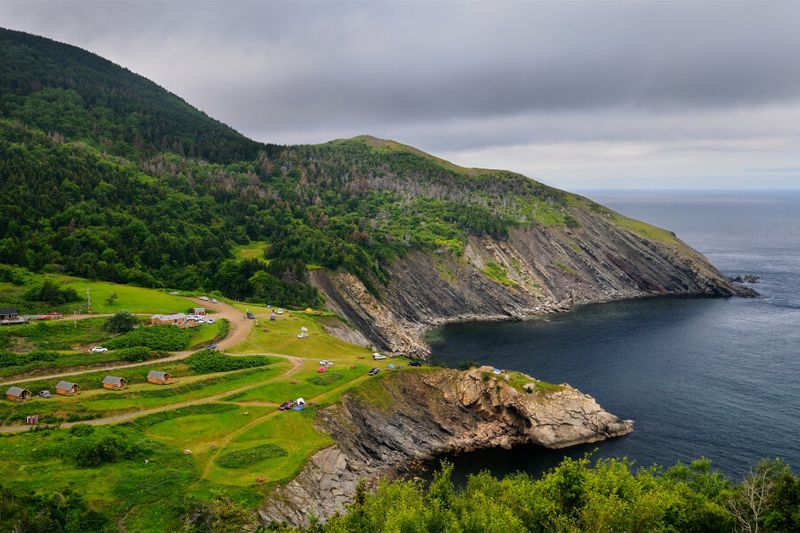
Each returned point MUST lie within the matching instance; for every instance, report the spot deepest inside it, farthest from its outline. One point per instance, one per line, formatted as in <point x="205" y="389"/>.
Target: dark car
<point x="211" y="346"/>
<point x="285" y="406"/>
<point x="415" y="363"/>
<point x="374" y="371"/>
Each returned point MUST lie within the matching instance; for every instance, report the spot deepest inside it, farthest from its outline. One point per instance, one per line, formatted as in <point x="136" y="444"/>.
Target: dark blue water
<point x="718" y="378"/>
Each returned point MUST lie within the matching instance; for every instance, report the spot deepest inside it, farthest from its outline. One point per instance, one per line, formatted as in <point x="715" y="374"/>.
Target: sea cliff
<point x="535" y="270"/>
<point x="389" y="425"/>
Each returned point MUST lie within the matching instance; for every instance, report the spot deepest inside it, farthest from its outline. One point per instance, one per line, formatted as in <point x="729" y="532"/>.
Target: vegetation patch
<point x="250" y="456"/>
<point x="202" y="409"/>
<point x="137" y="353"/>
<point x="208" y="361"/>
<point x="166" y="338"/>
<point x="325" y="379"/>
<point x="497" y="273"/>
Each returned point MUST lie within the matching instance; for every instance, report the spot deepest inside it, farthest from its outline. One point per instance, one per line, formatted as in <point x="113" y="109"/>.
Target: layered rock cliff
<point x="536" y="270"/>
<point x="387" y="425"/>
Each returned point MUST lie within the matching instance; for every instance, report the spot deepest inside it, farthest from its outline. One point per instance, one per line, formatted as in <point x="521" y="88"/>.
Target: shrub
<point x="121" y="322"/>
<point x="207" y="361"/>
<point x="97" y="448"/>
<point x="166" y="338"/>
<point x="51" y="293"/>
<point x="137" y="353"/>
<point x="249" y="456"/>
<point x="13" y="359"/>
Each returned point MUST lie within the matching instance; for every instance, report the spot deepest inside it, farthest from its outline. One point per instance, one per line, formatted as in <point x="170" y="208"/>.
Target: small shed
<point x="9" y="313"/>
<point x="158" y="377"/>
<point x="114" y="383"/>
<point x="199" y="311"/>
<point x="18" y="394"/>
<point x="67" y="388"/>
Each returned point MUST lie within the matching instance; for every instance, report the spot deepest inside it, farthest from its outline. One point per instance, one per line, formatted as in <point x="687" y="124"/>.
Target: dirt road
<point x="297" y="365"/>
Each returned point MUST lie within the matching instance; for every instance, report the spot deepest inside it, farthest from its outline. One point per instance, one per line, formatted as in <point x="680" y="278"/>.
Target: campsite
<point x="212" y="418"/>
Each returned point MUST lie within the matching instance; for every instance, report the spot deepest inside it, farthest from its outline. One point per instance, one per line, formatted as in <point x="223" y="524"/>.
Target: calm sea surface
<point x="718" y="378"/>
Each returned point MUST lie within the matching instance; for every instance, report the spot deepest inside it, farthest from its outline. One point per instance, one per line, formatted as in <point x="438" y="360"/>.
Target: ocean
<point x="701" y="377"/>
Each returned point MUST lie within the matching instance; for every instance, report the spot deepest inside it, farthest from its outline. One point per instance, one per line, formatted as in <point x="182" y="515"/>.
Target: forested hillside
<point x="108" y="176"/>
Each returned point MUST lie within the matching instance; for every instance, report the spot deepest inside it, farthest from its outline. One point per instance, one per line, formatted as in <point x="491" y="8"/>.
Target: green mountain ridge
<point x="109" y="176"/>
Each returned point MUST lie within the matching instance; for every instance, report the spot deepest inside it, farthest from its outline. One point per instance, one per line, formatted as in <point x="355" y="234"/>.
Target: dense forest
<point x="577" y="495"/>
<point x="108" y="176"/>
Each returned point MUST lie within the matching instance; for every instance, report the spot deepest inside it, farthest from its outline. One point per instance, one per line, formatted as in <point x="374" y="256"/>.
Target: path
<point x="297" y="365"/>
<point x="238" y="332"/>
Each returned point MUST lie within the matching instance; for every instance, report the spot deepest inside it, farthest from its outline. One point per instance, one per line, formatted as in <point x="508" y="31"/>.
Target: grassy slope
<point x="251" y="420"/>
<point x="129" y="298"/>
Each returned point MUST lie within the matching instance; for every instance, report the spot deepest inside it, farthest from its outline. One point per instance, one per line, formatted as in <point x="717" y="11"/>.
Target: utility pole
<point x="88" y="301"/>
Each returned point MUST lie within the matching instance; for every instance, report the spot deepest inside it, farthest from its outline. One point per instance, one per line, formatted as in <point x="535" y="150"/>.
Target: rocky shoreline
<point x="414" y="416"/>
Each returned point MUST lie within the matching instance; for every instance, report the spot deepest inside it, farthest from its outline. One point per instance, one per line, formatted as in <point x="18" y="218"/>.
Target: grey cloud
<point x="457" y="76"/>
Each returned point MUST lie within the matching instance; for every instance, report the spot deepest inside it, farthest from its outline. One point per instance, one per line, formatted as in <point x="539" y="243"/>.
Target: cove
<point x="718" y="378"/>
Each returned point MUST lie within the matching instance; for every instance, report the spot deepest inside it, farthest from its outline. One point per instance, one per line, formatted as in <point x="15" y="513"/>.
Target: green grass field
<point x="280" y="336"/>
<point x="128" y="297"/>
<point x="240" y="443"/>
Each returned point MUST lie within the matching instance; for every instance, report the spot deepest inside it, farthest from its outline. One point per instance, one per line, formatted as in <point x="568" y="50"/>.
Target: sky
<point x="582" y="96"/>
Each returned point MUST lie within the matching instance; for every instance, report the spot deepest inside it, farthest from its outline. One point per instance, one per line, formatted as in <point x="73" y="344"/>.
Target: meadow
<point x="214" y="429"/>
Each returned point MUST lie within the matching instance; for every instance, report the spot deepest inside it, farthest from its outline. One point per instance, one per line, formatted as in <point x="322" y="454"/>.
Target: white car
<point x="325" y="362"/>
<point x="378" y="357"/>
<point x="204" y="298"/>
<point x="280" y="311"/>
<point x="99" y="349"/>
<point x="214" y="301"/>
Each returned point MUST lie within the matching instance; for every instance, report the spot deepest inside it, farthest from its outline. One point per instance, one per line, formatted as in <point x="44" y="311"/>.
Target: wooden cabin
<point x="158" y="377"/>
<point x="114" y="383"/>
<point x="67" y="388"/>
<point x="18" y="394"/>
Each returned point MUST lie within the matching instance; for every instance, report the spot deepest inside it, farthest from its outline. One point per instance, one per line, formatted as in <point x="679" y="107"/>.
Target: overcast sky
<point x="579" y="95"/>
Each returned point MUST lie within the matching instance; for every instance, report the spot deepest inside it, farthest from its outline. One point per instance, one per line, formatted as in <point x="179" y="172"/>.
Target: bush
<point x="207" y="361"/>
<point x="250" y="456"/>
<point x="14" y="359"/>
<point x="138" y="353"/>
<point x="51" y="293"/>
<point x="166" y="338"/>
<point x="98" y="448"/>
<point x="121" y="322"/>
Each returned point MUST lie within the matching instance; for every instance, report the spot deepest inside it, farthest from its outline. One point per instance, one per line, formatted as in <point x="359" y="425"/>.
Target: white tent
<point x="300" y="401"/>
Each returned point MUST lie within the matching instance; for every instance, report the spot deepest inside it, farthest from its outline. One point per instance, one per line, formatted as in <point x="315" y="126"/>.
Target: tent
<point x="300" y="401"/>
<point x="390" y="365"/>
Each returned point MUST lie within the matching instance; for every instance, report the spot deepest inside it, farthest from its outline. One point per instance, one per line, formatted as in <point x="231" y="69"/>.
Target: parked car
<point x="99" y="349"/>
<point x="280" y="311"/>
<point x="285" y="406"/>
<point x="211" y="346"/>
<point x="415" y="363"/>
<point x="373" y="371"/>
<point x="250" y="315"/>
<point x="204" y="298"/>
<point x="214" y="301"/>
<point x="378" y="357"/>
<point x="45" y="394"/>
<point x="325" y="362"/>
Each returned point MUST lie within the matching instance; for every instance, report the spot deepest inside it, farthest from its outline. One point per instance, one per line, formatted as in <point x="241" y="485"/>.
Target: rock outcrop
<point x="383" y="428"/>
<point x="532" y="271"/>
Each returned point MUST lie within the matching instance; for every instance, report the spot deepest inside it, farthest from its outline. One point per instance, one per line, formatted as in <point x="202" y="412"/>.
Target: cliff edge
<point x="388" y="425"/>
<point x="602" y="256"/>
